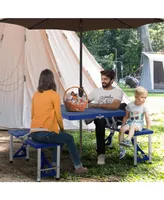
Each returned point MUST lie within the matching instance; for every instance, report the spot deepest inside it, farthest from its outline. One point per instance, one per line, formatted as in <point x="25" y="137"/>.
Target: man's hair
<point x="109" y="73"/>
<point x="46" y="81"/>
<point x="140" y="90"/>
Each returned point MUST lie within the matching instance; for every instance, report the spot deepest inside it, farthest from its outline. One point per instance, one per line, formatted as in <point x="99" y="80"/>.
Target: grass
<point x="130" y="92"/>
<point x="116" y="170"/>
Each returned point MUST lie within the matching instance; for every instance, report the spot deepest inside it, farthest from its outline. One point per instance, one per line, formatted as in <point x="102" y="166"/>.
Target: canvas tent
<point x="24" y="54"/>
<point x="152" y="76"/>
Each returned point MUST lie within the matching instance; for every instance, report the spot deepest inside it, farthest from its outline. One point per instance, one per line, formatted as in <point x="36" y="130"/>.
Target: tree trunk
<point x="145" y="38"/>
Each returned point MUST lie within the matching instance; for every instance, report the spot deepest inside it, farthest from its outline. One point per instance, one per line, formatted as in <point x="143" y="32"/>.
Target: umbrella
<point x="76" y="24"/>
<point x="83" y="24"/>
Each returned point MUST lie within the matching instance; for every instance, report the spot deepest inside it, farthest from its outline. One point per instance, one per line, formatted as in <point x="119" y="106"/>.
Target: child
<point x="134" y="119"/>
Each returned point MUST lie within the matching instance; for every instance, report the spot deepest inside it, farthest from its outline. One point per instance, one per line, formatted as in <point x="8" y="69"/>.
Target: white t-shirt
<point x="101" y="96"/>
<point x="136" y="113"/>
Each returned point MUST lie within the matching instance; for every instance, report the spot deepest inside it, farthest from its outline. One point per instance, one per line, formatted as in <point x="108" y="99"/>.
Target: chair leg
<point x="11" y="148"/>
<point x="108" y="140"/>
<point x="58" y="163"/>
<point x="38" y="165"/>
<point x="27" y="152"/>
<point x="150" y="148"/>
<point x="135" y="151"/>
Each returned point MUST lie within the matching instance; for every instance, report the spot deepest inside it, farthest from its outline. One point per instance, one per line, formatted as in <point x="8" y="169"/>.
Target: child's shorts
<point x="139" y="126"/>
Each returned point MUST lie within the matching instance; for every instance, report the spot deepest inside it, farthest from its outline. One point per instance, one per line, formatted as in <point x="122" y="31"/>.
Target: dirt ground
<point x="25" y="171"/>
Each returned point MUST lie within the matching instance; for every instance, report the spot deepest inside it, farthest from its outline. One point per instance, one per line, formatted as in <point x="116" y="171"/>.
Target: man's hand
<point x="93" y="105"/>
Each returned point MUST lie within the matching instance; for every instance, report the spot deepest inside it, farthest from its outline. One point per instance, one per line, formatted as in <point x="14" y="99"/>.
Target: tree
<point x="127" y="42"/>
<point x="145" y="38"/>
<point x="104" y="43"/>
<point x="157" y="36"/>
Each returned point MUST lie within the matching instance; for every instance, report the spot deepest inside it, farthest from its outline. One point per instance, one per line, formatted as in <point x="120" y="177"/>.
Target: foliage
<point x="157" y="36"/>
<point x="103" y="44"/>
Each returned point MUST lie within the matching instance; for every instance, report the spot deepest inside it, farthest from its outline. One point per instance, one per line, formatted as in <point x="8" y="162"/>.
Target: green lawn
<point x="130" y="92"/>
<point x="120" y="170"/>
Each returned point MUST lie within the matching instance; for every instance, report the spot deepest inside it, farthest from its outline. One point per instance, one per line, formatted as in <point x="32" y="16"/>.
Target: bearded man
<point x="107" y="97"/>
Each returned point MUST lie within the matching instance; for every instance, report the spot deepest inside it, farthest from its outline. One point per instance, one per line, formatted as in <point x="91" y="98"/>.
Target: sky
<point x="76" y="8"/>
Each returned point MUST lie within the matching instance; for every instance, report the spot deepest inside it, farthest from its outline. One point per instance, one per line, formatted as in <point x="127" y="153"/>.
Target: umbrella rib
<point x="38" y="23"/>
<point x="123" y="23"/>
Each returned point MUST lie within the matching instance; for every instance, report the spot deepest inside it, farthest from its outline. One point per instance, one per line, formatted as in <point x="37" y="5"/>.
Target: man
<point x="107" y="97"/>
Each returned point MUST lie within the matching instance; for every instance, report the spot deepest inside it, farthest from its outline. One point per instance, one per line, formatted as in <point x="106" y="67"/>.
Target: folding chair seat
<point x="139" y="154"/>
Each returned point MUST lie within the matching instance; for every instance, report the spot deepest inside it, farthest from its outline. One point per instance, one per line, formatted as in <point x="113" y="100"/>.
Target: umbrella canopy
<point x="84" y="24"/>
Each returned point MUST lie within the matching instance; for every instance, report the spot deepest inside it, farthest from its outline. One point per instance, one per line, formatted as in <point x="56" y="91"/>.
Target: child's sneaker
<point x="126" y="143"/>
<point x="81" y="170"/>
<point x="122" y="153"/>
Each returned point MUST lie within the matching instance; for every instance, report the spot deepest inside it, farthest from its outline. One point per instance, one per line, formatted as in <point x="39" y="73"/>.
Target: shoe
<point x="54" y="164"/>
<point x="126" y="143"/>
<point x="81" y="170"/>
<point x="101" y="159"/>
<point x="122" y="154"/>
<point x="110" y="145"/>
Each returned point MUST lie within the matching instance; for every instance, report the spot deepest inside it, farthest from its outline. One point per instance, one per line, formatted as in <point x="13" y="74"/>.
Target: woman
<point x="47" y="123"/>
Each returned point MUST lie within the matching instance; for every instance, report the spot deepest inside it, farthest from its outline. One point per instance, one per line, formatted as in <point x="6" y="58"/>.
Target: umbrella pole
<point x="81" y="139"/>
<point x="80" y="123"/>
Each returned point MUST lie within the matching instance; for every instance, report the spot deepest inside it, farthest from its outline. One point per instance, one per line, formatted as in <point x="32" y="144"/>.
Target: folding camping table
<point x="90" y="113"/>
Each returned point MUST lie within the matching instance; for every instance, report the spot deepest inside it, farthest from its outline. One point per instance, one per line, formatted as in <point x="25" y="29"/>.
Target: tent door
<point x="158" y="75"/>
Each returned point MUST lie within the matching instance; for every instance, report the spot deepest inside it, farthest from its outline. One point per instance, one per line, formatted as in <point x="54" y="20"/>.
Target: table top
<point x="91" y="113"/>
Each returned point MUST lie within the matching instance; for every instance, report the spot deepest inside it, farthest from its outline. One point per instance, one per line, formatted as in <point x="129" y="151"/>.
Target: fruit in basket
<point x="73" y="102"/>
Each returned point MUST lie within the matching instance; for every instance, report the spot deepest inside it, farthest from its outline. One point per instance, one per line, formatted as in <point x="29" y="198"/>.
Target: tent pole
<point x="81" y="85"/>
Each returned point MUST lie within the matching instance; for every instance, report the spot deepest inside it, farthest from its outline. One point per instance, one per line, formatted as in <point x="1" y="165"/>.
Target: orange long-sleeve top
<point x="46" y="111"/>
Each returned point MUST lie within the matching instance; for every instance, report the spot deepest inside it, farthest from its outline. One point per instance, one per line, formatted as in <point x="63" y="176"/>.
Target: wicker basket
<point x="74" y="103"/>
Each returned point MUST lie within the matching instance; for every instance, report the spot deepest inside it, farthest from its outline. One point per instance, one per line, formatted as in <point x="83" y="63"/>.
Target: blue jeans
<point x="61" y="138"/>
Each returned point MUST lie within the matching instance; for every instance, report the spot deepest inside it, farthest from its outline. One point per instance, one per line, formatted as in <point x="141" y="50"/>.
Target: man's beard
<point x="106" y="85"/>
